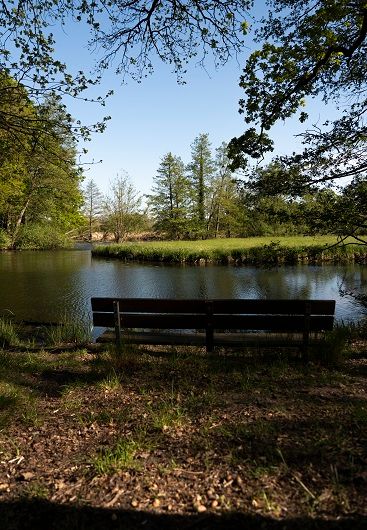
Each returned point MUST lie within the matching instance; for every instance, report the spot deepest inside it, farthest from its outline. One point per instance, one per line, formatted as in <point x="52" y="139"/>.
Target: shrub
<point x="4" y="239"/>
<point x="41" y="237"/>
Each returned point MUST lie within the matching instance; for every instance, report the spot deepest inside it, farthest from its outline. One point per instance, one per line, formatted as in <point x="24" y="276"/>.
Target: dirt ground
<point x="180" y="439"/>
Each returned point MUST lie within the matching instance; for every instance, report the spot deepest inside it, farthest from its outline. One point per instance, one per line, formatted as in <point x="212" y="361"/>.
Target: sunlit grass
<point x="231" y="243"/>
<point x="270" y="249"/>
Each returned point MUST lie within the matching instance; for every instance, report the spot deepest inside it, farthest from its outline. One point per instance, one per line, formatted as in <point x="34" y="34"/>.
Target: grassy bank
<point x="68" y="331"/>
<point x="257" y="250"/>
<point x="177" y="439"/>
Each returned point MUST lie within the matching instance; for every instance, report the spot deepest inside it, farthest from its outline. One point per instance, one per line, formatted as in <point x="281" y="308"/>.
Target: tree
<point x="93" y="206"/>
<point x="39" y="179"/>
<point x="201" y="170"/>
<point x="270" y="208"/>
<point x="122" y="208"/>
<point x="223" y="203"/>
<point x="310" y="49"/>
<point x="341" y="213"/>
<point x="278" y="178"/>
<point x="170" y="198"/>
<point x="322" y="212"/>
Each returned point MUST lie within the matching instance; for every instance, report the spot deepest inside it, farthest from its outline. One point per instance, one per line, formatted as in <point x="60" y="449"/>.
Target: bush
<point x="4" y="239"/>
<point x="41" y="237"/>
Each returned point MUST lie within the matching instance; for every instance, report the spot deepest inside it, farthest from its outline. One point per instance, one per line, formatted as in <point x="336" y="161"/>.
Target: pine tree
<point x="170" y="198"/>
<point x="201" y="171"/>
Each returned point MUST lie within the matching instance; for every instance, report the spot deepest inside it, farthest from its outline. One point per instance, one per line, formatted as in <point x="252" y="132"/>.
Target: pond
<point x="43" y="286"/>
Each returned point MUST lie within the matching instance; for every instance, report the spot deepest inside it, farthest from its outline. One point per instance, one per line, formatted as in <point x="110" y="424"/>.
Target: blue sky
<point x="158" y="115"/>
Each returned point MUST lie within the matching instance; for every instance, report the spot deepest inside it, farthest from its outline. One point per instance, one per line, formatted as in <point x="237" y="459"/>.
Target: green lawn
<point x="233" y="243"/>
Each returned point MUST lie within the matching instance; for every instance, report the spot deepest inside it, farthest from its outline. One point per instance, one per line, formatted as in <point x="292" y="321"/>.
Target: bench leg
<point x="306" y="332"/>
<point x="116" y="312"/>
<point x="209" y="339"/>
<point x="305" y="346"/>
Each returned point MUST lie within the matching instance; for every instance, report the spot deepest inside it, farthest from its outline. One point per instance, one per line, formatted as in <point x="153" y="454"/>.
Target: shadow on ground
<point x="39" y="514"/>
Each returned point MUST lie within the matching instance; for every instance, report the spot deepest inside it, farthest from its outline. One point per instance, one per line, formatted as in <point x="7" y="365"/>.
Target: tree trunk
<point x="19" y="222"/>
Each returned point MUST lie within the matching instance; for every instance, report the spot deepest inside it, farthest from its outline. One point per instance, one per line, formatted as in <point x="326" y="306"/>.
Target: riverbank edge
<point x="270" y="254"/>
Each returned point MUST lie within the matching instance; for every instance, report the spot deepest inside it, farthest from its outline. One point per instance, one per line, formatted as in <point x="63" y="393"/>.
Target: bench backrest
<point x="220" y="314"/>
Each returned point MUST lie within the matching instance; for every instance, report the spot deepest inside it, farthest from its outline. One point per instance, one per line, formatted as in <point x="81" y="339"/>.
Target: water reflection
<point x="44" y="285"/>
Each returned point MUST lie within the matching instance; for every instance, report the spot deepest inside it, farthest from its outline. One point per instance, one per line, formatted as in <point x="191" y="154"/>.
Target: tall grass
<point x="260" y="250"/>
<point x="8" y="333"/>
<point x="334" y="348"/>
<point x="69" y="331"/>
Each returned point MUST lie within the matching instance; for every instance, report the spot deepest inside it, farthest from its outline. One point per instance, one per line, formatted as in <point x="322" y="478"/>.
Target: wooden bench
<point x="210" y="323"/>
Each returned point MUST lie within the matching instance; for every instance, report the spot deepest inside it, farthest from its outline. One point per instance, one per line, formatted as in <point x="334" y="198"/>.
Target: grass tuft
<point x="8" y="333"/>
<point x="121" y="456"/>
<point x="111" y="382"/>
<point x="69" y="331"/>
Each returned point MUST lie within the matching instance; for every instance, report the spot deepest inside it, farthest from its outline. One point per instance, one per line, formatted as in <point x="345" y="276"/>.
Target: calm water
<point x="42" y="286"/>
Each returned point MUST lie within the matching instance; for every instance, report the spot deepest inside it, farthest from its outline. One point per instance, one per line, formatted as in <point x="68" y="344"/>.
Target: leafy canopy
<point x="39" y="177"/>
<point x="309" y="49"/>
<point x="129" y="36"/>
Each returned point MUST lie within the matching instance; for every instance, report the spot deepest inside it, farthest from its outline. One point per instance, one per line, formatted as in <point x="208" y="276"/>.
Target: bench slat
<point x="280" y="307"/>
<point x="248" y="306"/>
<point x="149" y="305"/>
<point x="199" y="339"/>
<point x="273" y="322"/>
<point x="230" y="322"/>
<point x="149" y="320"/>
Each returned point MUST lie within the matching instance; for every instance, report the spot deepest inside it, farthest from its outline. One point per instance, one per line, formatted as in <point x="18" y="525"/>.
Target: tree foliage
<point x="129" y="36"/>
<point x="201" y="172"/>
<point x="309" y="49"/>
<point x="223" y="200"/>
<point x="122" y="208"/>
<point x="39" y="178"/>
<point x="232" y="206"/>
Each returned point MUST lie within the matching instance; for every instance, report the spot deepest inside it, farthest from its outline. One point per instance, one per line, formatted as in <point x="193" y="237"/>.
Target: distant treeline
<point x="203" y="198"/>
